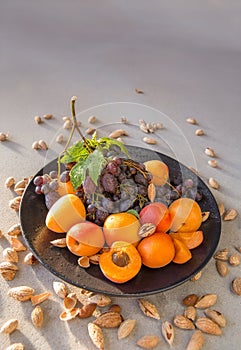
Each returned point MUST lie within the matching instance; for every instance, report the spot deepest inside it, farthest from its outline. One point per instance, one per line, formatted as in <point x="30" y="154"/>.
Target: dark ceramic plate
<point x="63" y="264"/>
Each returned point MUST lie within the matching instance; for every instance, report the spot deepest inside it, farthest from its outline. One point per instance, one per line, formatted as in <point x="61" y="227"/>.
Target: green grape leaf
<point x="107" y="142"/>
<point x="75" y="153"/>
<point x="133" y="212"/>
<point x="92" y="165"/>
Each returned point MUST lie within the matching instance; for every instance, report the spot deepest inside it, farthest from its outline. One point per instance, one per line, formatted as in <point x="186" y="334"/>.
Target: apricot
<point x="186" y="215"/>
<point x="67" y="211"/>
<point x="85" y="239"/>
<point x="158" y="214"/>
<point x="121" y="263"/>
<point x="159" y="171"/>
<point x="65" y="188"/>
<point x="156" y="250"/>
<point x="182" y="253"/>
<point x="121" y="227"/>
<point x="191" y="239"/>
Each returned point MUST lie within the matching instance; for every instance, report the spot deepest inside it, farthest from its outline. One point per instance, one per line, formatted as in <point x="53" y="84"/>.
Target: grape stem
<point x="74" y="127"/>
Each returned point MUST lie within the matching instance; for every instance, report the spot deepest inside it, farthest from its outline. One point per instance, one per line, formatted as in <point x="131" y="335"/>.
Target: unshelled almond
<point x="14" y="230"/>
<point x="9" y="326"/>
<point x="43" y="145"/>
<point x="183" y="322"/>
<point x="59" y="242"/>
<point x="236" y="285"/>
<point x="100" y="299"/>
<point x="37" y="317"/>
<point x="146" y="230"/>
<point x="206" y="325"/>
<point x="213" y="183"/>
<point x="117" y="133"/>
<point x="213" y="163"/>
<point x="210" y="152"/>
<point x="96" y="335"/>
<point x="221" y="209"/>
<point x="59" y="138"/>
<point x="17" y="245"/>
<point x="230" y="214"/>
<point x="9" y="254"/>
<point x="199" y="132"/>
<point x="191" y="120"/>
<point x="148" y="309"/>
<point x="148" y="341"/>
<point x="216" y="316"/>
<point x="30" y="259"/>
<point x="60" y="289"/>
<point x="168" y="332"/>
<point x="10" y="181"/>
<point x="222" y="268"/>
<point x="38" y="119"/>
<point x="48" y="116"/>
<point x="125" y="328"/>
<point x="3" y="136"/>
<point x="8" y="270"/>
<point x="222" y="254"/>
<point x="234" y="259"/>
<point x="109" y="320"/>
<point x="206" y="301"/>
<point x="190" y="312"/>
<point x="21" y="293"/>
<point x="92" y="119"/>
<point x="196" y="341"/>
<point x="15" y="346"/>
<point x="15" y="203"/>
<point x="149" y="140"/>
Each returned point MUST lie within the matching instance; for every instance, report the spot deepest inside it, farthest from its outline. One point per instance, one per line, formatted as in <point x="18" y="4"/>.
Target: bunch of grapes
<point x="122" y="185"/>
<point x="48" y="185"/>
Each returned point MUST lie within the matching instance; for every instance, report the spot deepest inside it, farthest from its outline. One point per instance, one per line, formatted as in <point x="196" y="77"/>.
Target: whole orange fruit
<point x="121" y="227"/>
<point x="156" y="250"/>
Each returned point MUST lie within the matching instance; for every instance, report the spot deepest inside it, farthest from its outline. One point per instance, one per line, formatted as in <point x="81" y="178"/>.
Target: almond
<point x="96" y="335"/>
<point x="206" y="301"/>
<point x="37" y="317"/>
<point x="168" y="332"/>
<point x="21" y="293"/>
<point x="216" y="316"/>
<point x="125" y="328"/>
<point x="196" y="341"/>
<point x="109" y="320"/>
<point x="148" y="309"/>
<point x="183" y="322"/>
<point x="206" y="325"/>
<point x="148" y="341"/>
<point x="9" y="326"/>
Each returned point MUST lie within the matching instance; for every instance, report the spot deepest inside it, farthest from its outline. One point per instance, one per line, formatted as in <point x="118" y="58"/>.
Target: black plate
<point x="62" y="263"/>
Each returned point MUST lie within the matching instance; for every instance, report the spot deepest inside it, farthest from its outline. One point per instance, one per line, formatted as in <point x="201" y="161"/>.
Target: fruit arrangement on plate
<point x="119" y="212"/>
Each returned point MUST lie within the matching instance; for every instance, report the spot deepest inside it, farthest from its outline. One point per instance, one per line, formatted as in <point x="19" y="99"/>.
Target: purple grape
<point x="112" y="167"/>
<point x="64" y="176"/>
<point x="45" y="188"/>
<point x="38" y="181"/>
<point x="54" y="185"/>
<point x="38" y="190"/>
<point x="53" y="174"/>
<point x="91" y="208"/>
<point x="50" y="198"/>
<point x="89" y="186"/>
<point x="109" y="182"/>
<point x="188" y="183"/>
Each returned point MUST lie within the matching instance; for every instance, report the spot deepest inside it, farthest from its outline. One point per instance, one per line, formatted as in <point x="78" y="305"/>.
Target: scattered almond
<point x="59" y="242"/>
<point x="196" y="341"/>
<point x="191" y="121"/>
<point x="213" y="183"/>
<point x="199" y="132"/>
<point x="43" y="145"/>
<point x="234" y="259"/>
<point x="15" y="346"/>
<point x="10" y="181"/>
<point x="9" y="326"/>
<point x="125" y="328"/>
<point x="149" y="140"/>
<point x="92" y="119"/>
<point x="3" y="137"/>
<point x="37" y="317"/>
<point x="221" y="209"/>
<point x="148" y="309"/>
<point x="87" y="310"/>
<point x="84" y="261"/>
<point x="117" y="133"/>
<point x="109" y="320"/>
<point x="210" y="152"/>
<point x="35" y="145"/>
<point x="230" y="214"/>
<point x="48" y="116"/>
<point x="197" y="276"/>
<point x="39" y="298"/>
<point x="222" y="268"/>
<point x="222" y="254"/>
<point x="21" y="293"/>
<point x="216" y="316"/>
<point x="59" y="138"/>
<point x="68" y="315"/>
<point x="168" y="332"/>
<point x="183" y="322"/>
<point x="190" y="312"/>
<point x="9" y="254"/>
<point x="236" y="285"/>
<point x="8" y="270"/>
<point x="190" y="300"/>
<point x="38" y="119"/>
<point x="206" y="325"/>
<point x="60" y="289"/>
<point x="147" y="230"/>
<point x="15" y="203"/>
<point x="30" y="259"/>
<point x="114" y="308"/>
<point x="213" y="163"/>
<point x="96" y="335"/>
<point x="148" y="341"/>
<point x="67" y="124"/>
<point x="206" y="301"/>
<point x="100" y="299"/>
<point x="138" y="91"/>
<point x="90" y="131"/>
<point x="17" y="245"/>
<point x="70" y="301"/>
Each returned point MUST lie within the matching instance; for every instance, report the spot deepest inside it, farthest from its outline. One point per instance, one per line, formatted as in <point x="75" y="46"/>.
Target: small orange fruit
<point x="159" y="171"/>
<point x="186" y="215"/>
<point x="121" y="227"/>
<point x="182" y="253"/>
<point x="191" y="239"/>
<point x="156" y="250"/>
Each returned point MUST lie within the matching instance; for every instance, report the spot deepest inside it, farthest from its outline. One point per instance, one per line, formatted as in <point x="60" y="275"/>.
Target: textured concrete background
<point x="186" y="57"/>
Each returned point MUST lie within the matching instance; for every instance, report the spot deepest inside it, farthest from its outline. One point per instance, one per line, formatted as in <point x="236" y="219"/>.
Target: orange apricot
<point x="182" y="253"/>
<point x="186" y="215"/>
<point x="121" y="227"/>
<point x="67" y="211"/>
<point x="85" y="239"/>
<point x="156" y="250"/>
<point x="65" y="188"/>
<point x="156" y="213"/>
<point x="121" y="263"/>
<point x="191" y="239"/>
<point x="159" y="171"/>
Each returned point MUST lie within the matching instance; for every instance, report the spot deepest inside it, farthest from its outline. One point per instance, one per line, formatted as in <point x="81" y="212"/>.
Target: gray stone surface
<point x="185" y="56"/>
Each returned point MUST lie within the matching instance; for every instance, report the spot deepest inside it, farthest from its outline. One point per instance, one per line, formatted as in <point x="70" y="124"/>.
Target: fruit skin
<point x="156" y="250"/>
<point x="182" y="253"/>
<point x="67" y="211"/>
<point x="120" y="274"/>
<point x="159" y="171"/>
<point x="156" y="213"/>
<point x="121" y="227"/>
<point x="65" y="188"/>
<point x="186" y="215"/>
<point x="85" y="239"/>
<point x="191" y="239"/>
